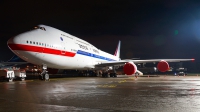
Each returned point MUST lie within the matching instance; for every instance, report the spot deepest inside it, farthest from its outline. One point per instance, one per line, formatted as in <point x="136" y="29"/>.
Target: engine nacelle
<point x="130" y="68"/>
<point x="163" y="66"/>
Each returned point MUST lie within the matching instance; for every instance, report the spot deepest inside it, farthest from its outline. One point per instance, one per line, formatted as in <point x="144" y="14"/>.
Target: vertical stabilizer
<point x="117" y="52"/>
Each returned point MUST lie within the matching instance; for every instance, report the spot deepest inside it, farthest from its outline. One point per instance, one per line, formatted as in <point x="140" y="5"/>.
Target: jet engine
<point x="163" y="66"/>
<point x="130" y="68"/>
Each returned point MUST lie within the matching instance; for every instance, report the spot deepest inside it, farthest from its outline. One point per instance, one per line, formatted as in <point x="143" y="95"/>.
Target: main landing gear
<point x="106" y="74"/>
<point x="88" y="73"/>
<point x="112" y="74"/>
<point x="44" y="75"/>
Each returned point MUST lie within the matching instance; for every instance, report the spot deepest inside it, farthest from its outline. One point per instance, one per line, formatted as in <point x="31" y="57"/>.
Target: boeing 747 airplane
<point x="48" y="46"/>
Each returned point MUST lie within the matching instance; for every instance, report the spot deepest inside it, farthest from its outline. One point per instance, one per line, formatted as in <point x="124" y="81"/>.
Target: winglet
<point x="117" y="51"/>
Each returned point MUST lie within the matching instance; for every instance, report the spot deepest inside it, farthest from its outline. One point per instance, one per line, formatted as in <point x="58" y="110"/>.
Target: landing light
<point x="193" y="60"/>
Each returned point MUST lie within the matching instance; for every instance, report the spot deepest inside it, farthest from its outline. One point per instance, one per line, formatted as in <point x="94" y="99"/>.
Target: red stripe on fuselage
<point x="40" y="49"/>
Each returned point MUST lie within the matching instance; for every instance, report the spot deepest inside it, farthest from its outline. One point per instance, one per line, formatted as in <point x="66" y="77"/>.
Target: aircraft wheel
<point x="111" y="74"/>
<point x="46" y="77"/>
<point x="103" y="74"/>
<point x="115" y="75"/>
<point x="23" y="78"/>
<point x="10" y="79"/>
<point x="106" y="75"/>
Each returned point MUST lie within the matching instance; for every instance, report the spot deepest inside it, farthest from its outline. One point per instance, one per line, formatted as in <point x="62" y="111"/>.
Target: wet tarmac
<point x="95" y="94"/>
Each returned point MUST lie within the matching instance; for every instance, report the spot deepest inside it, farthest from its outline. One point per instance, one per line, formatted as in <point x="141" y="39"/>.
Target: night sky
<point x="146" y="28"/>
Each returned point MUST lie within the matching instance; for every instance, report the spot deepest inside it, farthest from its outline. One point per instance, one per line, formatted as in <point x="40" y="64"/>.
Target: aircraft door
<point x="63" y="48"/>
<point x="42" y="47"/>
<point x="40" y="50"/>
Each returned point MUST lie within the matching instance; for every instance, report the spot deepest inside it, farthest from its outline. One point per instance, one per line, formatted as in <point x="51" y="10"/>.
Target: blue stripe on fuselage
<point x="94" y="55"/>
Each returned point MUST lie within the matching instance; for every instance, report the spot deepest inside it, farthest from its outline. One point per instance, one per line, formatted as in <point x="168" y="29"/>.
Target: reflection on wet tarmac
<point x="154" y="94"/>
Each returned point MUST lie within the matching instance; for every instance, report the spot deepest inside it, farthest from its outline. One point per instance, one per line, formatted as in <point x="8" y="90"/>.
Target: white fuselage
<point x="57" y="49"/>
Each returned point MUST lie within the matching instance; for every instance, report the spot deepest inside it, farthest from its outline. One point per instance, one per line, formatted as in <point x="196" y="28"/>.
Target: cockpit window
<point x="42" y="28"/>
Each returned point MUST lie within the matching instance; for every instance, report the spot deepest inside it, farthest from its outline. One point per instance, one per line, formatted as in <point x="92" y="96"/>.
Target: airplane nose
<point x="13" y="41"/>
<point x="10" y="41"/>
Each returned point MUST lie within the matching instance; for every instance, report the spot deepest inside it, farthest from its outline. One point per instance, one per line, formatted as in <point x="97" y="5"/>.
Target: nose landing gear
<point x="44" y="75"/>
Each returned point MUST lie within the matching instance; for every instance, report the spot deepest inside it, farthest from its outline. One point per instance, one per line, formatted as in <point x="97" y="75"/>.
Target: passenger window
<point x="37" y="43"/>
<point x="30" y="42"/>
<point x="42" y="44"/>
<point x="33" y="42"/>
<point x="27" y="41"/>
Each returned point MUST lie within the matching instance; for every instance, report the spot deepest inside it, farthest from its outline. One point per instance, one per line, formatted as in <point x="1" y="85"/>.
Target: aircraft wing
<point x="122" y="62"/>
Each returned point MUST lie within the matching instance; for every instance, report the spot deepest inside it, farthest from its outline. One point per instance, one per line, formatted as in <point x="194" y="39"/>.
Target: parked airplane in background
<point x="15" y="60"/>
<point x="47" y="46"/>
